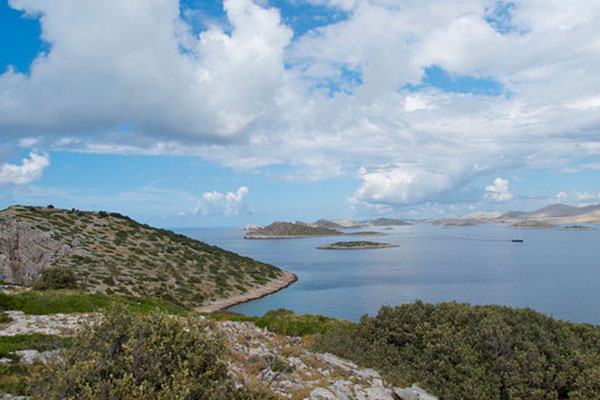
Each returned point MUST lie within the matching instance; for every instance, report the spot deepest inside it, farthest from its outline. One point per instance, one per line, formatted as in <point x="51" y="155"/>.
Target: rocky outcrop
<point x="287" y="367"/>
<point x="413" y="393"/>
<point x="26" y="250"/>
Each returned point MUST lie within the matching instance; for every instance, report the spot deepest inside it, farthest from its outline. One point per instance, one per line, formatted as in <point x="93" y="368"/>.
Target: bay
<point x="554" y="272"/>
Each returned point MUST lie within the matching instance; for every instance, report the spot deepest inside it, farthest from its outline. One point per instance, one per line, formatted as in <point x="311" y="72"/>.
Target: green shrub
<point x="56" y="278"/>
<point x="457" y="351"/>
<point x="4" y="318"/>
<point x="133" y="356"/>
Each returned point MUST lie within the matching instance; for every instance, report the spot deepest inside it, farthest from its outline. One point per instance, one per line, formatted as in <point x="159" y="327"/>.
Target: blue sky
<point x="212" y="113"/>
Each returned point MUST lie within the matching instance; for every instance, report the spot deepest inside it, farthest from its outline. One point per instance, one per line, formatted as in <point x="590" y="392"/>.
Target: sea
<point x="553" y="271"/>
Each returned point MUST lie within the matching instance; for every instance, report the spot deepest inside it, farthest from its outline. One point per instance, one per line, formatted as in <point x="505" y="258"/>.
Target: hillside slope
<point x="111" y="253"/>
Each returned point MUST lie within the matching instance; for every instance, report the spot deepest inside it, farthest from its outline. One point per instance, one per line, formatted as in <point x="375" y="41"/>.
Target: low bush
<point x="458" y="351"/>
<point x="134" y="356"/>
<point x="56" y="278"/>
<point x="4" y="318"/>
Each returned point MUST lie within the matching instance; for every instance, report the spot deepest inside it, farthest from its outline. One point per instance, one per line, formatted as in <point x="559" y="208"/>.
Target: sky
<point x="223" y="113"/>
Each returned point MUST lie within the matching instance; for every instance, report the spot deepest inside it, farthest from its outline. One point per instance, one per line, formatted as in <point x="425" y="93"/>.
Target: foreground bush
<point x="56" y="278"/>
<point x="134" y="356"/>
<point x="457" y="351"/>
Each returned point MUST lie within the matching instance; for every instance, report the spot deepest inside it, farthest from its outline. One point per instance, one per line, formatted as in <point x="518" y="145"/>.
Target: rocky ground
<point x="258" y="358"/>
<point x="285" y="366"/>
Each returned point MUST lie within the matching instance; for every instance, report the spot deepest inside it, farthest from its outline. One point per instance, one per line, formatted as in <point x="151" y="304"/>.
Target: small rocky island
<point x="356" y="245"/>
<point x="577" y="228"/>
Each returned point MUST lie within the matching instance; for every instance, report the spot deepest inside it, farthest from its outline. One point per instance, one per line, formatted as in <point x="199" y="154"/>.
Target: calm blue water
<point x="554" y="272"/>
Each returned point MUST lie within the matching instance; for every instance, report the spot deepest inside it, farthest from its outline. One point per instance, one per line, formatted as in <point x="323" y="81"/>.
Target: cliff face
<point x="25" y="251"/>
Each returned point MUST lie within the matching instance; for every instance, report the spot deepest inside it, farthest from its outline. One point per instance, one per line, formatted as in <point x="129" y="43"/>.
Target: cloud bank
<point x="132" y="78"/>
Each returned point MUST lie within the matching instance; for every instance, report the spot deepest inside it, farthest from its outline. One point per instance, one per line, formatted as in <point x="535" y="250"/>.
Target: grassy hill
<point x="111" y="253"/>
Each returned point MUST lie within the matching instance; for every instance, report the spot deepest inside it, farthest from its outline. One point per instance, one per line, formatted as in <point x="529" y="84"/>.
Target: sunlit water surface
<point x="554" y="272"/>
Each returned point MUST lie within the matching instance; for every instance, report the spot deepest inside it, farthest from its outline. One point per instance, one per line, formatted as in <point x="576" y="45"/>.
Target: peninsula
<point x="356" y="245"/>
<point x="111" y="253"/>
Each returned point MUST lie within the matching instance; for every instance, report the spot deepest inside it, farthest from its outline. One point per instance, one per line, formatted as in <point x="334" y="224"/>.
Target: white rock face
<point x="25" y="251"/>
<point x="413" y="393"/>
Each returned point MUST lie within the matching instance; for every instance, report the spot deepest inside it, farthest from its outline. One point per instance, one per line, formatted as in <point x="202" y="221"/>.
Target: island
<point x="577" y="228"/>
<point x="356" y="245"/>
<point x="534" y="224"/>
<point x="288" y="230"/>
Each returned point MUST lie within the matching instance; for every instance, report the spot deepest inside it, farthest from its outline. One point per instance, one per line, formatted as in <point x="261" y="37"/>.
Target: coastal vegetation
<point x="111" y="253"/>
<point x="354" y="245"/>
<point x="458" y="351"/>
<point x="135" y="356"/>
<point x="56" y="278"/>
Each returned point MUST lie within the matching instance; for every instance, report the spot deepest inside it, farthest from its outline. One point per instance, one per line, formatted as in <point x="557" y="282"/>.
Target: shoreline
<point x="271" y="287"/>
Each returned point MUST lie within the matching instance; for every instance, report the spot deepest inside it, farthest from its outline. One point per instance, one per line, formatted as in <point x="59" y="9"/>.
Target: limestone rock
<point x="32" y="356"/>
<point x="413" y="393"/>
<point x="25" y="250"/>
<point x="322" y="394"/>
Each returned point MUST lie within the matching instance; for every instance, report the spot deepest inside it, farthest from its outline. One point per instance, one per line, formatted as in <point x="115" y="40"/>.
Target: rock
<point x="12" y="397"/>
<point x="250" y="227"/>
<point x="342" y="390"/>
<point x="413" y="393"/>
<point x="53" y="324"/>
<point x="32" y="356"/>
<point x="379" y="393"/>
<point x="25" y="251"/>
<point x="322" y="394"/>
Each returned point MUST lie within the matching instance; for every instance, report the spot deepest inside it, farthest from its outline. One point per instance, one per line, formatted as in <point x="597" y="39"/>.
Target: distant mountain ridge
<point x="349" y="224"/>
<point x="552" y="214"/>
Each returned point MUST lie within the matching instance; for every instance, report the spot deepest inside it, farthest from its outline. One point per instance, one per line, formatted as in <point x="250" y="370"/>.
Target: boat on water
<point x="518" y="238"/>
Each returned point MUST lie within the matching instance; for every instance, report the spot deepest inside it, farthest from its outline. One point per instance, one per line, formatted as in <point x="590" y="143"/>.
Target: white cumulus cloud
<point x="29" y="170"/>
<point x="228" y="204"/>
<point x="499" y="191"/>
